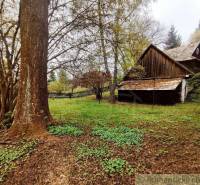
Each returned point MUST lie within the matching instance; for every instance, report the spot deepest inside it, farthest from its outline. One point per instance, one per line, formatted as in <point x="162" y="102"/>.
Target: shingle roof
<point x="149" y="85"/>
<point x="183" y="52"/>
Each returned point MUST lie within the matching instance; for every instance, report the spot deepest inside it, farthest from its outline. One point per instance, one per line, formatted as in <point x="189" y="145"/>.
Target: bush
<point x="65" y="130"/>
<point x="117" y="165"/>
<point x="120" y="135"/>
<point x="194" y="82"/>
<point x="57" y="87"/>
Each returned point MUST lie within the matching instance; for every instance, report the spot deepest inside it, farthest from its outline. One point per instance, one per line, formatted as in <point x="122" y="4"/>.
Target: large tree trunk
<point x="32" y="112"/>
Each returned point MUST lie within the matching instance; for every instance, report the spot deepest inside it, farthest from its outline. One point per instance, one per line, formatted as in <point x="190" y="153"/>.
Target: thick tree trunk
<point x="32" y="112"/>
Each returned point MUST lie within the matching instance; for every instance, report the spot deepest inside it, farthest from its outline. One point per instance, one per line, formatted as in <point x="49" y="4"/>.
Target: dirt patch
<point x="48" y="164"/>
<point x="164" y="151"/>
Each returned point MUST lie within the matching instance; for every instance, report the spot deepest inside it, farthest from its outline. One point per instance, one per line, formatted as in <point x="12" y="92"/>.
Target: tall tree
<point x="173" y="39"/>
<point x="32" y="112"/>
<point x="195" y="37"/>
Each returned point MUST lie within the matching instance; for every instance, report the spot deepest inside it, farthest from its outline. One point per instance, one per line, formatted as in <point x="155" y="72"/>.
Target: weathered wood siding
<point x="197" y="52"/>
<point x="159" y="65"/>
<point x="193" y="65"/>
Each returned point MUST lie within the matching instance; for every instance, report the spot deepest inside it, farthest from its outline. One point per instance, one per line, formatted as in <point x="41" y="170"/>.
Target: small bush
<point x="194" y="82"/>
<point x="84" y="151"/>
<point x="121" y="135"/>
<point x="65" y="130"/>
<point x="117" y="165"/>
<point x="9" y="155"/>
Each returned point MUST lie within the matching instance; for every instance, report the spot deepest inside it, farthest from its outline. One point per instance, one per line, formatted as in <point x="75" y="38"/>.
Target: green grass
<point x="120" y="135"/>
<point x="87" y="111"/>
<point x="65" y="130"/>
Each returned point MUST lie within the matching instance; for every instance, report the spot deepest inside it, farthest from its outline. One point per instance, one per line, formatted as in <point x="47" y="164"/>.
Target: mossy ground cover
<point x="65" y="129"/>
<point x="9" y="154"/>
<point x="119" y="135"/>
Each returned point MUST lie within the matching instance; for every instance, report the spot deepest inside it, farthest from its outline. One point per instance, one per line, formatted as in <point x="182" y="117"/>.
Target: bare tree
<point x="9" y="56"/>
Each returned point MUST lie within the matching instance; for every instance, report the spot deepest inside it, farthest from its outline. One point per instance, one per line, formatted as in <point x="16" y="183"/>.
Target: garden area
<point x="92" y="143"/>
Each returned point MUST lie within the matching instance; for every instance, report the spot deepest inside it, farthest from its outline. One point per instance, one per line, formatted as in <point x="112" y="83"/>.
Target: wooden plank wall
<point x="158" y="65"/>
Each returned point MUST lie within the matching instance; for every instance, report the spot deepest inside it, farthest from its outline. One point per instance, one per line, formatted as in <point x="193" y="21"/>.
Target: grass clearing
<point x="87" y="111"/>
<point x="65" y="129"/>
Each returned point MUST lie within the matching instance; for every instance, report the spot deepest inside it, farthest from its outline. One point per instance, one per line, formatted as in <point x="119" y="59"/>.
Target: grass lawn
<point x="108" y="144"/>
<point x="87" y="111"/>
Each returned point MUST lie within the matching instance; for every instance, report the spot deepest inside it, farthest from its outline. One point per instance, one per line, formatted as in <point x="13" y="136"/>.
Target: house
<point x="166" y="75"/>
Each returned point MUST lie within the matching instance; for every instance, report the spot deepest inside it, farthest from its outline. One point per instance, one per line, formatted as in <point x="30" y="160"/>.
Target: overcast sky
<point x="184" y="14"/>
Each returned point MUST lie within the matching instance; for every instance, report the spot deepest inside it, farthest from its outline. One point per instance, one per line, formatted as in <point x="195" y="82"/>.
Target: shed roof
<point x="149" y="85"/>
<point x="182" y="53"/>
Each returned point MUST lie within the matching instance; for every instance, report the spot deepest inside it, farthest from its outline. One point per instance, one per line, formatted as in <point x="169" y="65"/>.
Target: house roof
<point x="182" y="53"/>
<point x="149" y="85"/>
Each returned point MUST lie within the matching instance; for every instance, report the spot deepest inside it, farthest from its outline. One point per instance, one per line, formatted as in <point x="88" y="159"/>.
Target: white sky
<point x="183" y="14"/>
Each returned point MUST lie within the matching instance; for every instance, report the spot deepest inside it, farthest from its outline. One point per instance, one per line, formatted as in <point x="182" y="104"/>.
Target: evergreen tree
<point x="173" y="39"/>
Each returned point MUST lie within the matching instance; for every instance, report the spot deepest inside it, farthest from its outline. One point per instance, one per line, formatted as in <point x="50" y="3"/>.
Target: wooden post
<point x="183" y="90"/>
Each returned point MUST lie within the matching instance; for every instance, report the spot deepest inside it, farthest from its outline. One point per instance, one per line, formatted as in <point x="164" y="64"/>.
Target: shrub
<point x="121" y="135"/>
<point x="117" y="165"/>
<point x="84" y="151"/>
<point x="194" y="82"/>
<point x="65" y="130"/>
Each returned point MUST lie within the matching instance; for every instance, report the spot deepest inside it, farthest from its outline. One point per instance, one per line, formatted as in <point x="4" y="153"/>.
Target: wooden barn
<point x="165" y="75"/>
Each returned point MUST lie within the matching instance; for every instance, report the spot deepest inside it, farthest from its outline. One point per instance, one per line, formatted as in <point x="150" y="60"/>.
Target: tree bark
<point x="32" y="111"/>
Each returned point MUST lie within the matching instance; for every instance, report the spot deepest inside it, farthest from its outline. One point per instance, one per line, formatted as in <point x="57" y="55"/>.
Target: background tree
<point x="32" y="111"/>
<point x="85" y="35"/>
<point x="62" y="77"/>
<point x="9" y="57"/>
<point x="52" y="77"/>
<point x="195" y="37"/>
<point x="95" y="80"/>
<point x="173" y="39"/>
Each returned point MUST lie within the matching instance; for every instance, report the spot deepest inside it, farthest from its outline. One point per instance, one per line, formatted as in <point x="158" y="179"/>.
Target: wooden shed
<point x="166" y="74"/>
